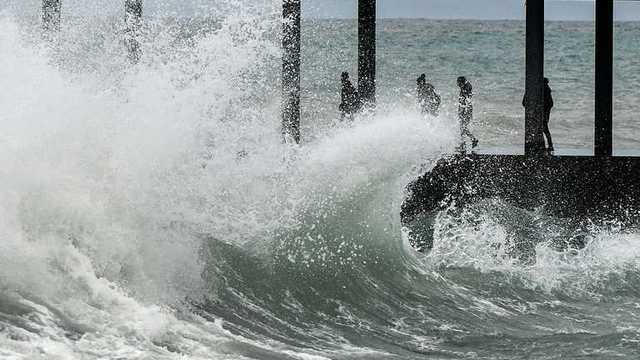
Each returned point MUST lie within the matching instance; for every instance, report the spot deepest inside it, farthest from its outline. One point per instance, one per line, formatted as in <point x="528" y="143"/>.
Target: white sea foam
<point x="112" y="175"/>
<point x="485" y="239"/>
<point x="108" y="183"/>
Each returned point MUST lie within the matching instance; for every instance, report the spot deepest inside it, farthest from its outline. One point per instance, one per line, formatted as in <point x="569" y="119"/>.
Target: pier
<point x="589" y="185"/>
<point x="595" y="187"/>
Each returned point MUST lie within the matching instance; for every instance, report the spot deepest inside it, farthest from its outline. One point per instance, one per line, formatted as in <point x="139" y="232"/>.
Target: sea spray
<point x="111" y="186"/>
<point x="153" y="212"/>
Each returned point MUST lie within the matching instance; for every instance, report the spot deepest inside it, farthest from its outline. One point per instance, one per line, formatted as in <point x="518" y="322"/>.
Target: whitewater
<point x="154" y="212"/>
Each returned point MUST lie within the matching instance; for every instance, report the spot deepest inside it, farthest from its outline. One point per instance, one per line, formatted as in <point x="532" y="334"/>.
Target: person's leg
<point x="469" y="134"/>
<point x="547" y="133"/>
<point x="474" y="141"/>
<point x="463" y="131"/>
<point x="466" y="133"/>
<point x="468" y="117"/>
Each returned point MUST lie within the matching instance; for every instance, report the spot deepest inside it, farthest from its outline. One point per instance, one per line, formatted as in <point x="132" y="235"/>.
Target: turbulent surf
<point x="152" y="211"/>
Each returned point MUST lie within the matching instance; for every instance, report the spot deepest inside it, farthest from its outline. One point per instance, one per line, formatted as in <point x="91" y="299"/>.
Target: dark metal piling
<point x="133" y="25"/>
<point x="534" y="109"/>
<point x="51" y="15"/>
<point x="367" y="51"/>
<point x="291" y="13"/>
<point x="603" y="145"/>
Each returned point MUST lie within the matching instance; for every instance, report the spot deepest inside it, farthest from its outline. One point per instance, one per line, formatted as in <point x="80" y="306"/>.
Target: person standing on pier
<point x="428" y="100"/>
<point x="465" y="111"/>
<point x="548" y="105"/>
<point x="350" y="100"/>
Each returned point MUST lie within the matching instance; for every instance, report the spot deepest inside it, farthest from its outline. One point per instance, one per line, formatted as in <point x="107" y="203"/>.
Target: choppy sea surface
<point x="153" y="212"/>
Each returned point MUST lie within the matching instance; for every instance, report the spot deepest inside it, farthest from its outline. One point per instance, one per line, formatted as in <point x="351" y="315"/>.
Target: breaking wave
<point x="153" y="212"/>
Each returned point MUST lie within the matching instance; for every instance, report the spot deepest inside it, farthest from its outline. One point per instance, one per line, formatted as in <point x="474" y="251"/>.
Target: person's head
<point x="422" y="79"/>
<point x="461" y="81"/>
<point x="345" y="76"/>
<point x="546" y="81"/>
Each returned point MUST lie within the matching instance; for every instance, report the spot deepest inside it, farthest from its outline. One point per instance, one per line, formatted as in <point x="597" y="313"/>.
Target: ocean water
<point x="153" y="212"/>
<point x="491" y="55"/>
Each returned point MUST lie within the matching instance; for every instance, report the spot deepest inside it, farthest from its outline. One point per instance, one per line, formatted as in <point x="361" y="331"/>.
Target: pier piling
<point x="367" y="51"/>
<point x="534" y="108"/>
<point x="291" y="13"/>
<point x="603" y="145"/>
<point x="51" y="15"/>
<point x="133" y="25"/>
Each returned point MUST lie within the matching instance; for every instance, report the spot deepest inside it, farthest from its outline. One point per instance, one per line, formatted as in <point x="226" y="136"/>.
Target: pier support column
<point x="133" y="25"/>
<point x="604" y="79"/>
<point x="367" y="51"/>
<point x="534" y="93"/>
<point x="51" y="15"/>
<point x="291" y="13"/>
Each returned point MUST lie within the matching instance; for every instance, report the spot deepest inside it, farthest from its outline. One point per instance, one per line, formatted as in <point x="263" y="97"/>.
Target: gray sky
<point x="435" y="9"/>
<point x="469" y="9"/>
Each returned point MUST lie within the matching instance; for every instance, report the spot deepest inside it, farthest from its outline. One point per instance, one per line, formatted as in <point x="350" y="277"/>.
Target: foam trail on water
<point x="485" y="236"/>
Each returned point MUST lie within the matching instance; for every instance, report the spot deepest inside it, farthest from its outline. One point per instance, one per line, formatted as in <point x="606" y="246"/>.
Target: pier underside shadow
<point x="578" y="188"/>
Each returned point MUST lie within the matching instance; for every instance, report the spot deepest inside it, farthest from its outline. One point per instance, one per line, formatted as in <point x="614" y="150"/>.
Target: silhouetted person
<point x="428" y="100"/>
<point x="350" y="100"/>
<point x="465" y="111"/>
<point x="548" y="105"/>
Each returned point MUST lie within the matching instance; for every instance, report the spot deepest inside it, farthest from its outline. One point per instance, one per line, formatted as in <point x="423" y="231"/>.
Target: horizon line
<point x="460" y="18"/>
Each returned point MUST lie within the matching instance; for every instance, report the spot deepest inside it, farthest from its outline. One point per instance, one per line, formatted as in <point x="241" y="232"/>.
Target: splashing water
<point x="153" y="212"/>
